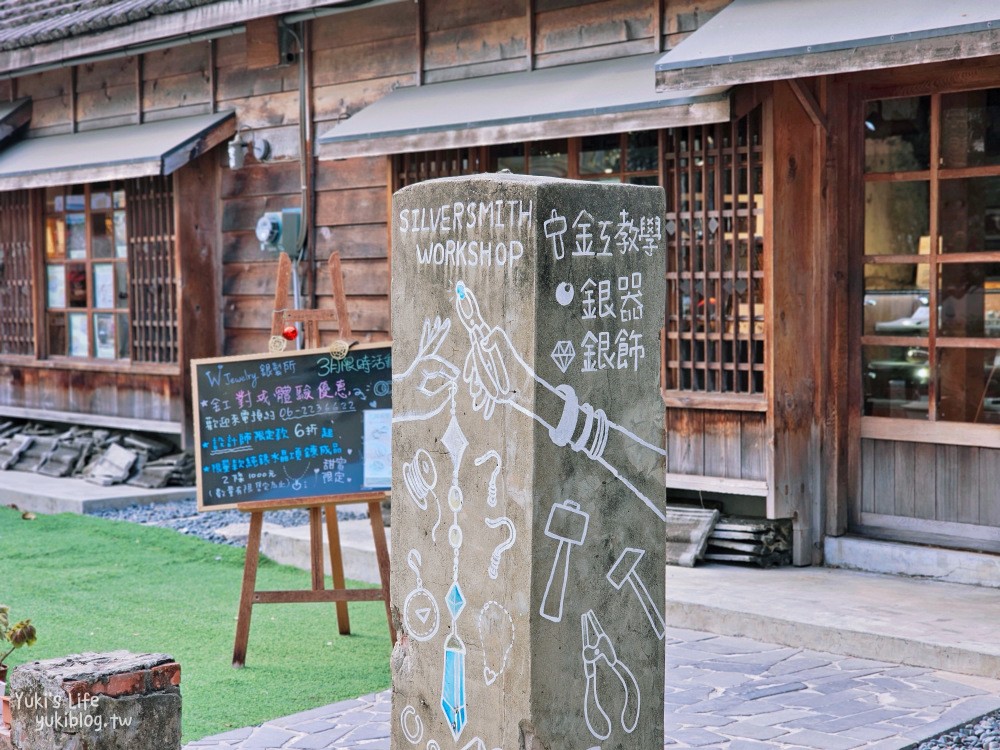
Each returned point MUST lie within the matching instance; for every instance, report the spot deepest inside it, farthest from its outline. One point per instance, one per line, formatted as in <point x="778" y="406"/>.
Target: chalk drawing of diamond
<point x="455" y="442"/>
<point x="455" y="600"/>
<point x="563" y="354"/>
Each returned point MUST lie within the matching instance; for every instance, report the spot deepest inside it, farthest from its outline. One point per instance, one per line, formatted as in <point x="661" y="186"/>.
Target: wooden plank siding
<point x="950" y="483"/>
<point x="704" y="442"/>
<point x="96" y="391"/>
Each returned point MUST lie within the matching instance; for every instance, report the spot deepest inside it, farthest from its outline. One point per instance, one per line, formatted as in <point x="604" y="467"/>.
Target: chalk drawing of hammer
<point x="568" y="525"/>
<point x="624" y="571"/>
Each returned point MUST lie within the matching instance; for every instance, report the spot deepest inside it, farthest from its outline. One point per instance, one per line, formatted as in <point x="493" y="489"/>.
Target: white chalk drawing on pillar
<point x="436" y="381"/>
<point x="563" y="354"/>
<point x="453" y="676"/>
<point x="413" y="727"/>
<point x="421" y="615"/>
<point x="491" y="493"/>
<point x="420" y="477"/>
<point x="565" y="293"/>
<point x="567" y="524"/>
<point x="433" y="745"/>
<point x="624" y="571"/>
<point x="434" y="378"/>
<point x="496" y="627"/>
<point x="495" y="523"/>
<point x="582" y="427"/>
<point x="597" y="648"/>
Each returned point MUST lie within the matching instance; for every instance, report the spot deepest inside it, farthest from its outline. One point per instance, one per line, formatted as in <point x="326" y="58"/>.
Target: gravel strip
<point x="183" y="516"/>
<point x="981" y="733"/>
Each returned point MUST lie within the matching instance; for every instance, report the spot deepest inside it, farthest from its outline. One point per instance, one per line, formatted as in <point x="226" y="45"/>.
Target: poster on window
<point x="76" y="236"/>
<point x="56" y="295"/>
<point x="104" y="335"/>
<point x="104" y="285"/>
<point x="78" y="335"/>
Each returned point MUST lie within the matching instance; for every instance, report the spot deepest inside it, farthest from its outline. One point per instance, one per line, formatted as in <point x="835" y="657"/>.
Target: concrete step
<point x="924" y="623"/>
<point x="42" y="494"/>
<point x="894" y="558"/>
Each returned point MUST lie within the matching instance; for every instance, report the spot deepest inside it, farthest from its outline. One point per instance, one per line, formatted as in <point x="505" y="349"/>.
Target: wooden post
<point x="317" y="507"/>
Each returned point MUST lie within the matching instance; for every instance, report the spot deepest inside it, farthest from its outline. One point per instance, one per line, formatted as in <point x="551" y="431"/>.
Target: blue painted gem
<point x="460" y="290"/>
<point x="455" y="600"/>
<point x="453" y="685"/>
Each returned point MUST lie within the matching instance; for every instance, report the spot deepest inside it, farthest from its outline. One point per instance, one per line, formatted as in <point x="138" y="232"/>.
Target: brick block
<point x="98" y="701"/>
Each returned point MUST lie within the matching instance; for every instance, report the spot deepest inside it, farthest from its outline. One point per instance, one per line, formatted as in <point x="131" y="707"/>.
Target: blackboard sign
<point x="297" y="424"/>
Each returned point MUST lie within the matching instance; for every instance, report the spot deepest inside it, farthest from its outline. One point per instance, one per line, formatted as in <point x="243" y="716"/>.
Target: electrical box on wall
<point x="277" y="231"/>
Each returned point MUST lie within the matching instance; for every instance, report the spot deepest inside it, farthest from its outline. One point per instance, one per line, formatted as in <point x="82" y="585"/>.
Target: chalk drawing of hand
<point x="490" y="351"/>
<point x="430" y="375"/>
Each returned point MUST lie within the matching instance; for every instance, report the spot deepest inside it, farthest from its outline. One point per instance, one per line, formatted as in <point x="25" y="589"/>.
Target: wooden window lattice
<point x="715" y="274"/>
<point x="17" y="328"/>
<point x="409" y="169"/>
<point x="152" y="271"/>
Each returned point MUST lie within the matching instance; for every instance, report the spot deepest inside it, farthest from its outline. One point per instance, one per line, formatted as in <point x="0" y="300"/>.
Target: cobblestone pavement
<point x="722" y="692"/>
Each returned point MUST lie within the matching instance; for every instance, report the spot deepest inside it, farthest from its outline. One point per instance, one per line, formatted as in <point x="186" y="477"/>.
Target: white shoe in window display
<point x="920" y="320"/>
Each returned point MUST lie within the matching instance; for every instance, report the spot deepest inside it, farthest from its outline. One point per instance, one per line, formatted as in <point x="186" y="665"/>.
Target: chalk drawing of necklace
<point x="453" y="678"/>
<point x="420" y="610"/>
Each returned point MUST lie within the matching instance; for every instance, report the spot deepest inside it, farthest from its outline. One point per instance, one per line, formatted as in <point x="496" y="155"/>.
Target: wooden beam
<point x="724" y="485"/>
<point x="530" y="40"/>
<point x="420" y="43"/>
<point x="809" y="104"/>
<point x="939" y="433"/>
<point x="93" y="420"/>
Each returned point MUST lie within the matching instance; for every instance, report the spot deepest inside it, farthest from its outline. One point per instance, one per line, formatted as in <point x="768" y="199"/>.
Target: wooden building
<point x="833" y="271"/>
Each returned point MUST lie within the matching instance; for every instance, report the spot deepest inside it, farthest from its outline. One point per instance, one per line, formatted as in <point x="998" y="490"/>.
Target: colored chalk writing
<point x="292" y="425"/>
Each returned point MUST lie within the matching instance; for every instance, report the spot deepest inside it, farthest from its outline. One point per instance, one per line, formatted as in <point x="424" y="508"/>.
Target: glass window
<point x="970" y="128"/>
<point x="86" y="271"/>
<point x="931" y="327"/>
<point x="899" y="217"/>
<point x="898" y="135"/>
<point x="549" y="158"/>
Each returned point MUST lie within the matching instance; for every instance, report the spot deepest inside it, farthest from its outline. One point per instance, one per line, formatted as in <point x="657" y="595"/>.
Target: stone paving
<point x="722" y="692"/>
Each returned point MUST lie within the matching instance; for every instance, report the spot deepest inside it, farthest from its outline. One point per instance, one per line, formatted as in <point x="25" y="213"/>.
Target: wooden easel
<point x="317" y="506"/>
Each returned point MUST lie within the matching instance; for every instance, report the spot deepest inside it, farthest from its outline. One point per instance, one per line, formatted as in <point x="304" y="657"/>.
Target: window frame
<point x="932" y="429"/>
<point x="157" y="231"/>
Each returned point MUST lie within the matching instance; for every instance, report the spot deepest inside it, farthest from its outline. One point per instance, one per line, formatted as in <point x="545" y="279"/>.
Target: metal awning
<point x="763" y="40"/>
<point x="608" y="96"/>
<point x="13" y="116"/>
<point x="154" y="148"/>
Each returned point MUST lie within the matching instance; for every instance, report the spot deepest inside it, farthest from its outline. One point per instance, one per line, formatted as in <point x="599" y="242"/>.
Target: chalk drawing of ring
<point x="433" y="745"/>
<point x="413" y="727"/>
<point x="420" y="477"/>
<point x="421" y="615"/>
<point x="382" y="388"/>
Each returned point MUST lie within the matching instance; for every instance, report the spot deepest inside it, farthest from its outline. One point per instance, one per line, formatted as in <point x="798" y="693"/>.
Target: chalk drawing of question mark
<point x="491" y="497"/>
<point x="496" y="523"/>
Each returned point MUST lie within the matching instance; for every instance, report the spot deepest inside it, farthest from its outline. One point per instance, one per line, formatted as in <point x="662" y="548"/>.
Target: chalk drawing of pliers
<point x="597" y="647"/>
<point x="485" y="362"/>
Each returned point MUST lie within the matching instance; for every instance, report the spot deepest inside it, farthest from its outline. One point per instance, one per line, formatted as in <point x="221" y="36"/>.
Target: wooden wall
<point x="953" y="483"/>
<point x="727" y="444"/>
<point x="93" y="391"/>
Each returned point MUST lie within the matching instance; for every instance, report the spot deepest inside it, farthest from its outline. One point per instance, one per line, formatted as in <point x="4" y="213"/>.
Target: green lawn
<point x="94" y="585"/>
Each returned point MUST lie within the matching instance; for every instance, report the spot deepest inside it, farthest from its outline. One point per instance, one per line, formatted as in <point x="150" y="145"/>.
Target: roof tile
<point x="27" y="22"/>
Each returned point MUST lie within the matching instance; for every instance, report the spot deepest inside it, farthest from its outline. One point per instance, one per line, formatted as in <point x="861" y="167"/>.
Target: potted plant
<point x="11" y="637"/>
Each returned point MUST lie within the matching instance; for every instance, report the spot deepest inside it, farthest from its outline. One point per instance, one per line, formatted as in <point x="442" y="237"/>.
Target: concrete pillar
<point x="527" y="518"/>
